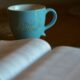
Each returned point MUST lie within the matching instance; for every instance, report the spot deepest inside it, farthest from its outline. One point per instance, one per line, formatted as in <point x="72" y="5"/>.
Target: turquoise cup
<point x="28" y="20"/>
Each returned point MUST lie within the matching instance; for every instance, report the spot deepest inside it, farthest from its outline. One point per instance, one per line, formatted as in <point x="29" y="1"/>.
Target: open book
<point x="25" y="60"/>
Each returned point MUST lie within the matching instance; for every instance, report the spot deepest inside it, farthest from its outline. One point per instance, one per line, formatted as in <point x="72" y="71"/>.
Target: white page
<point x="21" y="54"/>
<point x="63" y="63"/>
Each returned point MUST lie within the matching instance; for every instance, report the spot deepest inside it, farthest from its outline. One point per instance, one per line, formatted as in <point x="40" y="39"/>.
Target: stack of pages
<point x="33" y="59"/>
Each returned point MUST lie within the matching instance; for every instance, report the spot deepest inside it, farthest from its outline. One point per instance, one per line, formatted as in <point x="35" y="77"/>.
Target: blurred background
<point x="66" y="31"/>
<point x="4" y="3"/>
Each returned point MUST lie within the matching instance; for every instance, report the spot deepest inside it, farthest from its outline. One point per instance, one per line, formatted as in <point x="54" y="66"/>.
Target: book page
<point x="19" y="55"/>
<point x="62" y="63"/>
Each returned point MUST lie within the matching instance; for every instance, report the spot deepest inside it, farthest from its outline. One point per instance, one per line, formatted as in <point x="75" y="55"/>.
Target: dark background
<point x="66" y="31"/>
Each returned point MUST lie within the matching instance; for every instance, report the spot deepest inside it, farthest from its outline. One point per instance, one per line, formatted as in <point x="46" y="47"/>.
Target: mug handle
<point x="53" y="20"/>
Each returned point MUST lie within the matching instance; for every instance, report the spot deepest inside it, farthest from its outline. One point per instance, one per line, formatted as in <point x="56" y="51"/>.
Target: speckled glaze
<point x="30" y="23"/>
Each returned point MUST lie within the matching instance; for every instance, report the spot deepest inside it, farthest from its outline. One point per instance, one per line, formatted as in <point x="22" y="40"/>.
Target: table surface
<point x="66" y="31"/>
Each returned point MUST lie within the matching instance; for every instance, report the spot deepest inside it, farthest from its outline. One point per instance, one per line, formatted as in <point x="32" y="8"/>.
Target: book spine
<point x="22" y="58"/>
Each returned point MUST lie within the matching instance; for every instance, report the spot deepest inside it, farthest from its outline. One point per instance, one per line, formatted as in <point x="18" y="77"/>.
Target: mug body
<point x="27" y="21"/>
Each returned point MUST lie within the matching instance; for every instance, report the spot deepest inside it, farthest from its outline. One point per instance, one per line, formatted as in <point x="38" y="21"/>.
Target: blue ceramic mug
<point x="28" y="20"/>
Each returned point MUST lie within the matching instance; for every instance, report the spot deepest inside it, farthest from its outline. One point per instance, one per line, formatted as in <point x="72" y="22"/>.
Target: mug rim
<point x="12" y="7"/>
